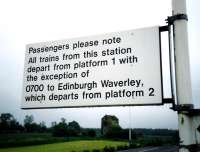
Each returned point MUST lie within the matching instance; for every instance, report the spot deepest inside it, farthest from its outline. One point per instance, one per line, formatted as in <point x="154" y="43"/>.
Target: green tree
<point x="29" y="119"/>
<point x="9" y="124"/>
<point x="63" y="121"/>
<point x="113" y="132"/>
<point x="29" y="124"/>
<point x="74" y="125"/>
<point x="60" y="129"/>
<point x="91" y="133"/>
<point x="74" y="128"/>
<point x="5" y="122"/>
<point x="42" y="127"/>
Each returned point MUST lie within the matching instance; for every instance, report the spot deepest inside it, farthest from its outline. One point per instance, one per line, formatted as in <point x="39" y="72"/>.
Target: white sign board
<point x="120" y="68"/>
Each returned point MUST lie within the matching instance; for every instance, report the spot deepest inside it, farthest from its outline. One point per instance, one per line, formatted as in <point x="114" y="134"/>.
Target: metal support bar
<point x="187" y="109"/>
<point x="183" y="107"/>
<point x="172" y="64"/>
<point x="163" y="28"/>
<point x="168" y="100"/>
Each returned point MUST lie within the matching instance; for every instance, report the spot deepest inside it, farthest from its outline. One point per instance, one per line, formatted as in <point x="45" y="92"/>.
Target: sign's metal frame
<point x="164" y="100"/>
<point x="172" y="99"/>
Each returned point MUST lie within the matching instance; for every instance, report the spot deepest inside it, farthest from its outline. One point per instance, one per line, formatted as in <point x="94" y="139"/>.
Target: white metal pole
<point x="183" y="78"/>
<point x="184" y="92"/>
<point x="130" y="138"/>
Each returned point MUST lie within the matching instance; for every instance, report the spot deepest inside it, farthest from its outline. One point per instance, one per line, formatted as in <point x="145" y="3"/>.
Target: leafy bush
<point x="63" y="129"/>
<point x="109" y="149"/>
<point x="91" y="133"/>
<point x="86" y="150"/>
<point x="118" y="133"/>
<point x="114" y="132"/>
<point x="122" y="147"/>
<point x="60" y="130"/>
<point x="96" y="150"/>
<point x="134" y="145"/>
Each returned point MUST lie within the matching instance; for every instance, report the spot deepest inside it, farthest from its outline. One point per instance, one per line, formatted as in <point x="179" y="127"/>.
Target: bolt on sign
<point x="116" y="69"/>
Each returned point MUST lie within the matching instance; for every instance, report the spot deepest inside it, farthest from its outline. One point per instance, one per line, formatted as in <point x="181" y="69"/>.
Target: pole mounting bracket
<point x="191" y="148"/>
<point x="170" y="19"/>
<point x="187" y="109"/>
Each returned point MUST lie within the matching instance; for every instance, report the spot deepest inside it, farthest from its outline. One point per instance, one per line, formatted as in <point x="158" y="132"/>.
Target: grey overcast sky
<point x="23" y="22"/>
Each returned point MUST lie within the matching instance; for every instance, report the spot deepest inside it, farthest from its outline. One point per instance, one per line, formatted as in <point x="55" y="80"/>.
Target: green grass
<point x="77" y="146"/>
